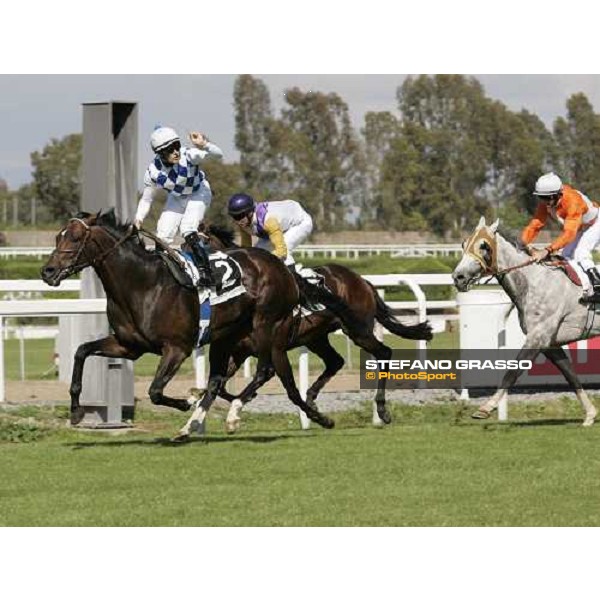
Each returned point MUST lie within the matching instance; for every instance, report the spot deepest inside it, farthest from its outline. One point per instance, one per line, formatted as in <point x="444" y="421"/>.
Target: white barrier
<point x="96" y="306"/>
<point x="483" y="316"/>
<point x="305" y="250"/>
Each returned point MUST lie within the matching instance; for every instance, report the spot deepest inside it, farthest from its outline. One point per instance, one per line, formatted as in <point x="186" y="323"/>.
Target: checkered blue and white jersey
<point x="181" y="179"/>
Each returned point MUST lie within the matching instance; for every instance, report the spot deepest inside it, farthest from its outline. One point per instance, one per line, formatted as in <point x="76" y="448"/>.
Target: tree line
<point x="445" y="156"/>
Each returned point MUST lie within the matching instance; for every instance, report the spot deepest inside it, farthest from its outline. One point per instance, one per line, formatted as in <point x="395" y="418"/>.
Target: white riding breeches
<point x="293" y="237"/>
<point x="579" y="251"/>
<point x="581" y="248"/>
<point x="183" y="213"/>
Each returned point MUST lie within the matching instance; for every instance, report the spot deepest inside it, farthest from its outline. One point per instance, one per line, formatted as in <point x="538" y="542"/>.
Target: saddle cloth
<point x="226" y="271"/>
<point x="228" y="285"/>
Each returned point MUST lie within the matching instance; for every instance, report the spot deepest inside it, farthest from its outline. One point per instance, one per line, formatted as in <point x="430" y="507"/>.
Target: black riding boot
<point x="307" y="298"/>
<point x="201" y="261"/>
<point x="595" y="281"/>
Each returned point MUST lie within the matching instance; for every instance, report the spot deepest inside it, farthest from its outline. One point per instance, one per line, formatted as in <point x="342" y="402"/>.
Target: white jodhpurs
<point x="183" y="213"/>
<point x="579" y="251"/>
<point x="293" y="237"/>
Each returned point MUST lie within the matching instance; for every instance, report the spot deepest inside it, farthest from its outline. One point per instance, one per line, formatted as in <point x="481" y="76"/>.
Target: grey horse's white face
<point x="470" y="268"/>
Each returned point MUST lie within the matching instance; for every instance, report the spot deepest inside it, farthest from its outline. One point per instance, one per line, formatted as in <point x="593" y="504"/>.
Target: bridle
<point x="491" y="269"/>
<point x="77" y="266"/>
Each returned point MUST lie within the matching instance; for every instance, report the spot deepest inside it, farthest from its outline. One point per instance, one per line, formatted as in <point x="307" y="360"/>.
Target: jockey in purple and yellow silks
<point x="280" y="226"/>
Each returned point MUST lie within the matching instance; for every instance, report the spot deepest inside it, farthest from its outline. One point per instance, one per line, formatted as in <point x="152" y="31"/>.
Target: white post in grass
<point x="22" y="352"/>
<point x="502" y="342"/>
<point x="303" y="388"/>
<point x="378" y="333"/>
<point x="200" y="367"/>
<point x="2" y="390"/>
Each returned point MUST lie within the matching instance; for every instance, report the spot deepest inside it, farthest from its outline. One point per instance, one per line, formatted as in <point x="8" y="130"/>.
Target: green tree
<point x="225" y="179"/>
<point x="578" y="139"/>
<point x="324" y="155"/>
<point x="439" y="162"/>
<point x="380" y="131"/>
<point x="257" y="136"/>
<point x="57" y="176"/>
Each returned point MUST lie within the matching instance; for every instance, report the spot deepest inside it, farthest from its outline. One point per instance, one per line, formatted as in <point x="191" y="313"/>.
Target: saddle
<point x="558" y="262"/>
<point x="228" y="284"/>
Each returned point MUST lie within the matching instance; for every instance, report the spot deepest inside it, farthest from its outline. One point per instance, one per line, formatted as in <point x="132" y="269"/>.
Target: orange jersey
<point x="574" y="211"/>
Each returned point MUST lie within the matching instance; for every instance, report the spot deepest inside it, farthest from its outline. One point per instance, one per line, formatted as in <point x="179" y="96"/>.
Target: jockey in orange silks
<point x="578" y="216"/>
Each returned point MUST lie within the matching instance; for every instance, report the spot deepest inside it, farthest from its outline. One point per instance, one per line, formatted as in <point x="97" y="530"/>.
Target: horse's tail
<point x="383" y="314"/>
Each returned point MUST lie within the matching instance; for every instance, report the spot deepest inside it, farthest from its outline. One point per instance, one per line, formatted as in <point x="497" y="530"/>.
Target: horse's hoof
<point x="180" y="438"/>
<point x="327" y="423"/>
<point x="480" y="414"/>
<point x="77" y="415"/>
<point x="588" y="423"/>
<point x="385" y="416"/>
<point x="310" y="401"/>
<point x="232" y="427"/>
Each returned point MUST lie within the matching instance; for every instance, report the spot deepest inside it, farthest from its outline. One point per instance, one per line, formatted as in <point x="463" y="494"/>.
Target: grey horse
<point x="546" y="300"/>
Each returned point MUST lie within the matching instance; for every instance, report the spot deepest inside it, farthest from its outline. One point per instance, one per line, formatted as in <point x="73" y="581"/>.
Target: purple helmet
<point x="240" y="204"/>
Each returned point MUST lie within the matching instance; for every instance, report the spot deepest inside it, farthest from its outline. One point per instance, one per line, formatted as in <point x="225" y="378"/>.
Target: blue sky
<point x="35" y="108"/>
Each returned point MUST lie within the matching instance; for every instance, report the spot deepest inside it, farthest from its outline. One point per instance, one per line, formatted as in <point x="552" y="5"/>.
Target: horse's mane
<point x="225" y="235"/>
<point x="513" y="238"/>
<point x="109" y="221"/>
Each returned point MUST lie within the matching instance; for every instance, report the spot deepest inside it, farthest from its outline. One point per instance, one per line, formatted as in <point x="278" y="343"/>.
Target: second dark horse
<point x="366" y="308"/>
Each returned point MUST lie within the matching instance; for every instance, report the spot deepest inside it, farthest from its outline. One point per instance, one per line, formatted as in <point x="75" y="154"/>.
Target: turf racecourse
<point x="432" y="467"/>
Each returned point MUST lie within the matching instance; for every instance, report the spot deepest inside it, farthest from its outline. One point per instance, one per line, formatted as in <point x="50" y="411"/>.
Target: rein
<point x="515" y="267"/>
<point x="77" y="266"/>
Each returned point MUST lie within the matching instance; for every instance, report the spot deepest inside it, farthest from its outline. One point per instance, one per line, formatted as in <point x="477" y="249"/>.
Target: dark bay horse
<point x="149" y="312"/>
<point x="313" y="332"/>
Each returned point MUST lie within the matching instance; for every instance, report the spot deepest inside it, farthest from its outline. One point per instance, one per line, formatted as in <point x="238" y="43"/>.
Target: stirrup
<point x="593" y="299"/>
<point x="205" y="279"/>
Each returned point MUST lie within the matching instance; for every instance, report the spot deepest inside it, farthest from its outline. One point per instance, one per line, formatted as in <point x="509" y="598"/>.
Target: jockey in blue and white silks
<point x="175" y="171"/>
<point x="279" y="226"/>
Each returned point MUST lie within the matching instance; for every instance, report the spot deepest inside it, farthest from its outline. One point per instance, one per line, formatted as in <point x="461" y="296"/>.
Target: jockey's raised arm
<point x="175" y="171"/>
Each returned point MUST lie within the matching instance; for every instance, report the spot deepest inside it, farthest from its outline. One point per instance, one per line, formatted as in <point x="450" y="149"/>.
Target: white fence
<point x="305" y="250"/>
<point x="57" y="307"/>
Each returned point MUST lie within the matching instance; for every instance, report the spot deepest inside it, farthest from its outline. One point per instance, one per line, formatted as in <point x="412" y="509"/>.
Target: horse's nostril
<point x="48" y="271"/>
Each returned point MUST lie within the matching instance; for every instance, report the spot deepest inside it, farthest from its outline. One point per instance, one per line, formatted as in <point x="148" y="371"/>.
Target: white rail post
<point x="503" y="404"/>
<point x="21" y="353"/>
<point x="200" y="367"/>
<point x="378" y="333"/>
<point x="303" y="388"/>
<point x="2" y="390"/>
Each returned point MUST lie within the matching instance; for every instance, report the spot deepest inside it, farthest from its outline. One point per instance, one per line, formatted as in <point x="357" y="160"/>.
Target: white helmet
<point x="548" y="185"/>
<point x="163" y="137"/>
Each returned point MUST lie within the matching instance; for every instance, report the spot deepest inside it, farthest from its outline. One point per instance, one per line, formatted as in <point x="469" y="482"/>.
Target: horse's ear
<point x="109" y="217"/>
<point x="494" y="225"/>
<point x="481" y="223"/>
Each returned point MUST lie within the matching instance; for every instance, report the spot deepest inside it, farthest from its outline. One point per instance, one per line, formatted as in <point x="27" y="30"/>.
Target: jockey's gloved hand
<point x="540" y="255"/>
